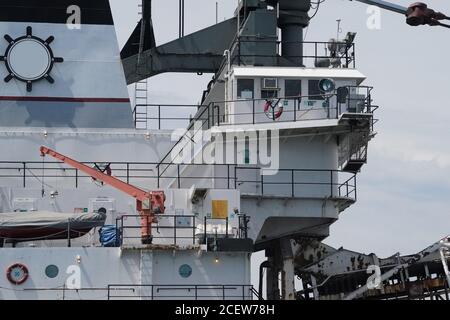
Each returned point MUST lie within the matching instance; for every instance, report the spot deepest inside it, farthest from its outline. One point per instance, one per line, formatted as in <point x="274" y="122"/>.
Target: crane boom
<point x="386" y="5"/>
<point x="147" y="203"/>
<point x="416" y="14"/>
<point x="131" y="190"/>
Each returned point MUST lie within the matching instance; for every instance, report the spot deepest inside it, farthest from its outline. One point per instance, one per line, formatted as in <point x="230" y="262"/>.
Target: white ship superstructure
<point x="304" y="104"/>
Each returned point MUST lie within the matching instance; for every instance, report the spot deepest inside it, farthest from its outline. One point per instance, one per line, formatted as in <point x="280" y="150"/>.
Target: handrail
<point x="209" y="120"/>
<point x="193" y="291"/>
<point x="191" y="125"/>
<point x="146" y="173"/>
<point x="121" y="227"/>
<point x="348" y="55"/>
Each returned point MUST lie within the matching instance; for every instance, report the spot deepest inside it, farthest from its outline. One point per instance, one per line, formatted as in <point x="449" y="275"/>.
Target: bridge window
<point x="245" y="88"/>
<point x="293" y="88"/>
<point x="314" y="92"/>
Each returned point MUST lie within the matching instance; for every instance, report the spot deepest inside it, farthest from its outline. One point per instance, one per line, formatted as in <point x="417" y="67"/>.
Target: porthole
<point x="51" y="271"/>
<point x="185" y="271"/>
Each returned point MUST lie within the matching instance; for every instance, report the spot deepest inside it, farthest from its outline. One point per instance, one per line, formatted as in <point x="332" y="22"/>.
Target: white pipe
<point x="227" y="54"/>
<point x="385" y="5"/>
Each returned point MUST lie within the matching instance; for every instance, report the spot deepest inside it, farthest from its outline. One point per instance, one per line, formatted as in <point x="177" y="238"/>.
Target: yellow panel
<point x="220" y="209"/>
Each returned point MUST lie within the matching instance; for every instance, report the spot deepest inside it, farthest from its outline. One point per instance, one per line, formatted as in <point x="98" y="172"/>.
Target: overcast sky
<point x="404" y="191"/>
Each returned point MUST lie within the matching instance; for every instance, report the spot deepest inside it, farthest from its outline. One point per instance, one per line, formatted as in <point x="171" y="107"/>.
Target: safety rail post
<point x="209" y="115"/>
<point x="128" y="172"/>
<point x="158" y="178"/>
<point x="315" y="54"/>
<point x="223" y="292"/>
<point x="346" y="58"/>
<point x="226" y="228"/>
<point x="354" y="186"/>
<point x="76" y="178"/>
<point x="159" y="117"/>
<point x="24" y="174"/>
<point x="218" y="116"/>
<point x="239" y="49"/>
<point x="331" y="184"/>
<point x="228" y="176"/>
<point x="175" y="230"/>
<point x="69" y="243"/>
<point x="204" y="231"/>
<point x="346" y="186"/>
<point x="178" y="176"/>
<point x="193" y="230"/>
<point x="262" y="182"/>
<point x="254" y="111"/>
<point x="117" y="232"/>
<point x="295" y="109"/>
<point x="293" y="183"/>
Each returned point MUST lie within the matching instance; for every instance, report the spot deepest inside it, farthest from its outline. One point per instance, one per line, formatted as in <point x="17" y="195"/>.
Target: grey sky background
<point x="404" y="191"/>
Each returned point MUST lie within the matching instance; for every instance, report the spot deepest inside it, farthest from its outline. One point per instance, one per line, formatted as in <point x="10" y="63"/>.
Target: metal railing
<point x="163" y="116"/>
<point x="41" y="172"/>
<point x="298" y="183"/>
<point x="314" y="53"/>
<point x="178" y="228"/>
<point x="252" y="111"/>
<point x="248" y="179"/>
<point x="151" y="292"/>
<point x="131" y="231"/>
<point x="248" y="111"/>
<point x="185" y="292"/>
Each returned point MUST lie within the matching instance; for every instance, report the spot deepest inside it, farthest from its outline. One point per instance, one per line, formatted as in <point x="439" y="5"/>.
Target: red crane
<point x="148" y="203"/>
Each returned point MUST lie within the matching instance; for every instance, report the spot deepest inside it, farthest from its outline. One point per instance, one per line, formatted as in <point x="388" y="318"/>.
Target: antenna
<point x="339" y="29"/>
<point x="217" y="12"/>
<point x="181" y="18"/>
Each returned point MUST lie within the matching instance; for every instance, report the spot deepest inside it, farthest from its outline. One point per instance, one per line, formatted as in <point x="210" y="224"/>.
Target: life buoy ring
<point x="17" y="273"/>
<point x="273" y="111"/>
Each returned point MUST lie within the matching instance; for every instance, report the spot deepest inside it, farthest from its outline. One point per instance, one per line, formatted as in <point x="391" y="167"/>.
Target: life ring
<point x="271" y="110"/>
<point x="17" y="273"/>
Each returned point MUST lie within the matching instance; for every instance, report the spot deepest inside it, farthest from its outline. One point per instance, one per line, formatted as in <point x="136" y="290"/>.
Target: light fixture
<point x="350" y="38"/>
<point x="216" y="260"/>
<point x="327" y="85"/>
<point x="45" y="134"/>
<point x="54" y="194"/>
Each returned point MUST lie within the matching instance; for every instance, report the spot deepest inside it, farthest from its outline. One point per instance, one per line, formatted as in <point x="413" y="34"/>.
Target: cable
<point x="316" y="6"/>
<point x="38" y="179"/>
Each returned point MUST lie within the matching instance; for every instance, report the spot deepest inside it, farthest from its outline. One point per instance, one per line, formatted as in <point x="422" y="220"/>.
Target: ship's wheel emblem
<point x="29" y="59"/>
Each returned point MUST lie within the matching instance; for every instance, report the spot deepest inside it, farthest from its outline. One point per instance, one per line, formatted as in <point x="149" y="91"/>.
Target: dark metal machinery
<point x="328" y="273"/>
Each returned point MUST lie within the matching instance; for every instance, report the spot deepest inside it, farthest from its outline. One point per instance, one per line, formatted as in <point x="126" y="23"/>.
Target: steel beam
<point x="385" y="5"/>
<point x="200" y="52"/>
